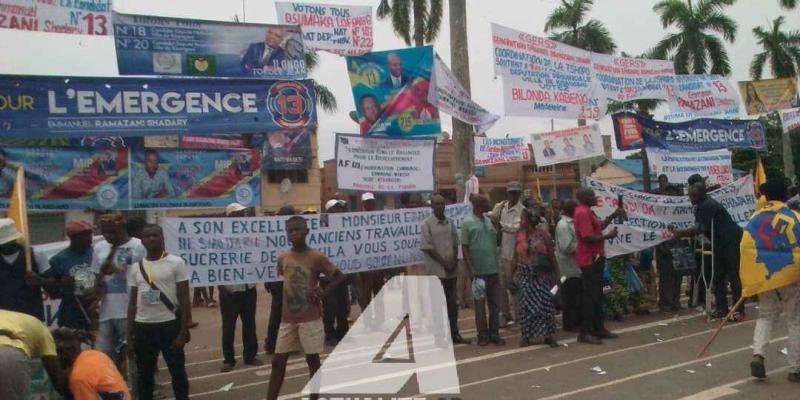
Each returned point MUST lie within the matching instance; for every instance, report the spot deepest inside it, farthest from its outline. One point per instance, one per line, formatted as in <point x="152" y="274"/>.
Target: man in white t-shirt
<point x="158" y="315"/>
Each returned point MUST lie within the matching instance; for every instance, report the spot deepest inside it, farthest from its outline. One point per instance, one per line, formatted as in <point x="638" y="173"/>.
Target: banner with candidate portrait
<point x="702" y="96"/>
<point x="567" y="145"/>
<point x="490" y="151"/>
<point x="769" y="95"/>
<point x="84" y="17"/>
<point x="176" y="178"/>
<point x="633" y="131"/>
<point x="148" y="45"/>
<point x="287" y="149"/>
<point x="390" y="89"/>
<point x="67" y="178"/>
<point x="340" y="29"/>
<point x="626" y="79"/>
<point x="43" y="107"/>
<point x="790" y="119"/>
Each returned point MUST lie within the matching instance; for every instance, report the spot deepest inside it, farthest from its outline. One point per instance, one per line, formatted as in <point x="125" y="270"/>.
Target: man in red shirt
<point x="590" y="257"/>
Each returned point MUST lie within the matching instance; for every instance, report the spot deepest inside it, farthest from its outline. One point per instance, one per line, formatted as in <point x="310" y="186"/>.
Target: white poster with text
<point x="678" y="167"/>
<point x="339" y="29"/>
<point x="490" y="151"/>
<point x="626" y="79"/>
<point x="702" y="96"/>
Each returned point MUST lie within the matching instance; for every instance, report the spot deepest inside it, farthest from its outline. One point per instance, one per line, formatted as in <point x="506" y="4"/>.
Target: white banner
<point x="341" y="29"/>
<point x="702" y="96"/>
<point x="489" y="151"/>
<point x="678" y="167"/>
<point x="567" y="145"/>
<point x="221" y="251"/>
<point x="371" y="164"/>
<point x="649" y="215"/>
<point x="626" y="79"/>
<point x="450" y="97"/>
<point x="85" y="17"/>
<point x="790" y="119"/>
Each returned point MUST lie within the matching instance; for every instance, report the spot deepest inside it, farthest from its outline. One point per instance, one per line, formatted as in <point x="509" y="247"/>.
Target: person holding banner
<point x="19" y="290"/>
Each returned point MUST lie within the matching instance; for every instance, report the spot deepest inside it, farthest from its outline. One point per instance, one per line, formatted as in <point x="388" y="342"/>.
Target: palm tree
<point x="425" y="14"/>
<point x="788" y="4"/>
<point x="781" y="49"/>
<point x="695" y="46"/>
<point x="590" y="35"/>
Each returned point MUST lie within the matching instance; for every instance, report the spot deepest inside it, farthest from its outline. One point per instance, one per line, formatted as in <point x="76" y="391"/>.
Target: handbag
<point x="161" y="296"/>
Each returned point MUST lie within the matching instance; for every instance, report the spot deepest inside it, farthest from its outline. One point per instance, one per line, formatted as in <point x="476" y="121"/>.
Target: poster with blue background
<point x="390" y="89"/>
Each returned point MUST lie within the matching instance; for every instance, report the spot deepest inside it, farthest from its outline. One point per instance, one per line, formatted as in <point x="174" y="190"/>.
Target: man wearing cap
<point x="507" y="215"/>
<point x="71" y="278"/>
<point x="17" y="292"/>
<point x="238" y="301"/>
<point x="370" y="282"/>
<point x="335" y="307"/>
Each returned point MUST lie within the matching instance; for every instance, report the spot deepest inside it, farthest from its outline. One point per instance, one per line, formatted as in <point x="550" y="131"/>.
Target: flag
<point x="770" y="255"/>
<point x="759" y="176"/>
<point x="18" y="212"/>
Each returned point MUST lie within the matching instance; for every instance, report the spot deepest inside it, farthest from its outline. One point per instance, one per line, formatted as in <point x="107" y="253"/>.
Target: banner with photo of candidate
<point x="678" y="167"/>
<point x="385" y="165"/>
<point x="40" y="106"/>
<point x="490" y="151"/>
<point x="790" y="119"/>
<point x="702" y="96"/>
<point x="172" y="178"/>
<point x="626" y="79"/>
<point x="340" y="29"/>
<point x="567" y="145"/>
<point x="451" y="98"/>
<point x="769" y="95"/>
<point x="67" y="178"/>
<point x="84" y="17"/>
<point x="287" y="149"/>
<point x="705" y="134"/>
<point x="390" y="89"/>
<point x="148" y="45"/>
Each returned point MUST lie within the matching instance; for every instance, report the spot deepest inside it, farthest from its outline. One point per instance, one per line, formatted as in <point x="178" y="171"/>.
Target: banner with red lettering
<point x="490" y="151"/>
<point x="85" y="17"/>
<point x="626" y="79"/>
<point x="339" y="29"/>
<point x="702" y="96"/>
<point x="790" y="119"/>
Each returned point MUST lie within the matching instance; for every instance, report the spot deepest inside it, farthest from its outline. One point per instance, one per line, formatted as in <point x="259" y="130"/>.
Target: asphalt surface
<point x="654" y="358"/>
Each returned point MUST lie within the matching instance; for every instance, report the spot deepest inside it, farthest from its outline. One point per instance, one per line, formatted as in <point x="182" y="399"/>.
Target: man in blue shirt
<point x="152" y="182"/>
<point x="72" y="278"/>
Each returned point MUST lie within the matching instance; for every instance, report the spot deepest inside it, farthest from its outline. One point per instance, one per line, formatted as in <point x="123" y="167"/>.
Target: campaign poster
<point x="702" y="96"/>
<point x="769" y="95"/>
<point x="287" y="149"/>
<point x="67" y="178"/>
<point x="47" y="107"/>
<point x="790" y="119"/>
<point x="212" y="142"/>
<point x="177" y="178"/>
<point x="385" y="165"/>
<point x="490" y="151"/>
<point x="340" y="29"/>
<point x="545" y="78"/>
<point x="148" y="45"/>
<point x="627" y="79"/>
<point x="450" y="97"/>
<point x="678" y="167"/>
<point x="567" y="145"/>
<point x="390" y="89"/>
<point x="84" y="17"/>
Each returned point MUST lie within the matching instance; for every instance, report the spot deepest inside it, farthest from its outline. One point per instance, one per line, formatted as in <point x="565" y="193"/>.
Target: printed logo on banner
<point x="244" y="194"/>
<point x="630" y="132"/>
<point x="167" y="63"/>
<point x="290" y="104"/>
<point x="107" y="196"/>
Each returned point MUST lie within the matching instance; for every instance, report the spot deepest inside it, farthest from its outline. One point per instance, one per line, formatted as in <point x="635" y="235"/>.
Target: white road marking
<point x="725" y="389"/>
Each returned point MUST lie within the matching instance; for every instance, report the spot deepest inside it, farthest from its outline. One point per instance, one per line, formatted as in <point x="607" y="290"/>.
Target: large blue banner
<point x="36" y="106"/>
<point x="705" y="134"/>
<point x="390" y="89"/>
<point x="172" y="46"/>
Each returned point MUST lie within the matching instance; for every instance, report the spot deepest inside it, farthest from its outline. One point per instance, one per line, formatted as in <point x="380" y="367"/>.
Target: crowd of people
<point x="523" y="262"/>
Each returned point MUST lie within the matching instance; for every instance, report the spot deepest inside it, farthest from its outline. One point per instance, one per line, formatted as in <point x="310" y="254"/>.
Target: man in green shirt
<point x="479" y="245"/>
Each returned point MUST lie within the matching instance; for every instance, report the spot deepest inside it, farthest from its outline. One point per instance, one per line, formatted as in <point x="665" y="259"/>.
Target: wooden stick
<point x="719" y="328"/>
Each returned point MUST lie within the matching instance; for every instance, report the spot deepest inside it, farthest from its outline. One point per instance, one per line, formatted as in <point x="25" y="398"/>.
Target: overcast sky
<point x="632" y="23"/>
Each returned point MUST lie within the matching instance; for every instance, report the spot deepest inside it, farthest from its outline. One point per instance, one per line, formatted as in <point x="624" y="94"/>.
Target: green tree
<point x="781" y="49"/>
<point x="414" y="21"/>
<point x="695" y="47"/>
<point x="744" y="159"/>
<point x="568" y="24"/>
<point x="788" y="4"/>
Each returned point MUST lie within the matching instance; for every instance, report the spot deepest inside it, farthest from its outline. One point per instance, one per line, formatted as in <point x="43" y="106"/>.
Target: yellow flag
<point x="759" y="176"/>
<point x="770" y="255"/>
<point x="18" y="211"/>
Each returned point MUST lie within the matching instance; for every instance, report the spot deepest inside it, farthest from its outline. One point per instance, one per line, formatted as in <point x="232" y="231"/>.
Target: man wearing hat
<point x="71" y="279"/>
<point x="507" y="215"/>
<point x="15" y="292"/>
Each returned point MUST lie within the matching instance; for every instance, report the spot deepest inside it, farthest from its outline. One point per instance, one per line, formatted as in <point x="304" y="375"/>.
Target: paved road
<point x="654" y="358"/>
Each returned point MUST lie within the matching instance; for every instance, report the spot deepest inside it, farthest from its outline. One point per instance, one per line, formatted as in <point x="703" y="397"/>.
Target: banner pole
<point x="719" y="328"/>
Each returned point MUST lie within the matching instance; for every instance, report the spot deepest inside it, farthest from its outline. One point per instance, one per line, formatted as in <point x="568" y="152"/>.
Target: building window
<point x="294" y="176"/>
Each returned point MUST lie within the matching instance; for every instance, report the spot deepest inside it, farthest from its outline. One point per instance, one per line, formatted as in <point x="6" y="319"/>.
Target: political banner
<point x="626" y="79"/>
<point x="650" y="215"/>
<point x="678" y="167"/>
<point x="567" y="145"/>
<point x="221" y="251"/>
<point x="450" y="97"/>
<point x="339" y="29"/>
<point x="211" y="142"/>
<point x="770" y="255"/>
<point x="490" y="151"/>
<point x="545" y="78"/>
<point x="790" y="119"/>
<point x="391" y="92"/>
<point x="769" y="95"/>
<point x="84" y="17"/>
<point x="171" y="178"/>
<point x="287" y="149"/>
<point x="705" y="134"/>
<point x="702" y="96"/>
<point x="39" y="106"/>
<point x="67" y="178"/>
<point x="148" y="45"/>
<point x="385" y="165"/>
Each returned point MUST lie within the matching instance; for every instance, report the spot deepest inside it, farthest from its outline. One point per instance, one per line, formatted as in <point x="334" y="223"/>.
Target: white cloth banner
<point x="545" y="78"/>
<point x="489" y="151"/>
<point x="626" y="79"/>
<point x="450" y="97"/>
<point x="678" y="167"/>
<point x="649" y="215"/>
<point x="221" y="251"/>
<point x="790" y="119"/>
<point x="372" y="164"/>
<point x="86" y="17"/>
<point x="567" y="145"/>
<point x="340" y="29"/>
<point x="702" y="96"/>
